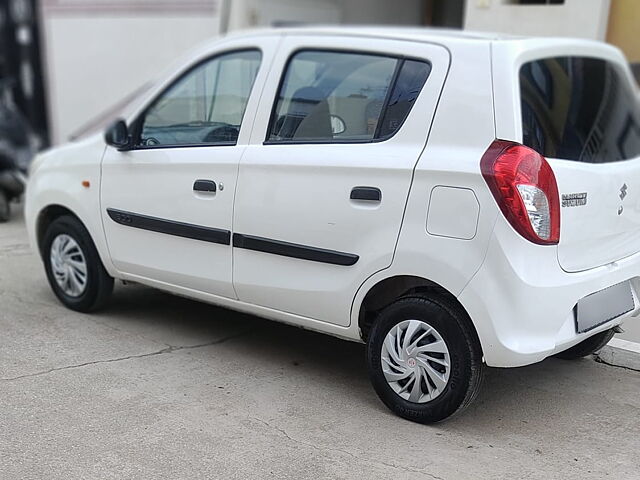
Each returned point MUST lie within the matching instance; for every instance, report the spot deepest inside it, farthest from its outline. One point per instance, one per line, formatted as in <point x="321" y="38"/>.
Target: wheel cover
<point x="68" y="265"/>
<point x="415" y="361"/>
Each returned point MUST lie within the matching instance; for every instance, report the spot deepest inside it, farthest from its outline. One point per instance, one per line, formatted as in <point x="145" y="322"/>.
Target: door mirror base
<point x="117" y="135"/>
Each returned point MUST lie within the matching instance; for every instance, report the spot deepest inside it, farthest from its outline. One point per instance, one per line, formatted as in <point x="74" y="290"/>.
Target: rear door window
<point x="338" y="97"/>
<point x="579" y="108"/>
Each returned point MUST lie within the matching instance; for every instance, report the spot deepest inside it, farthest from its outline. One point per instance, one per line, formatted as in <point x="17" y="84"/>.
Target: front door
<point x="167" y="204"/>
<point x="323" y="184"/>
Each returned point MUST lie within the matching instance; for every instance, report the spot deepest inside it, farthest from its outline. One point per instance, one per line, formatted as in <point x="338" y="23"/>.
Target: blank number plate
<point x="600" y="307"/>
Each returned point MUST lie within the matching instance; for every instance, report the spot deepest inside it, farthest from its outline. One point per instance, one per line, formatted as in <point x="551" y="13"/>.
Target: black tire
<point x="587" y="347"/>
<point x="5" y="208"/>
<point x="455" y="328"/>
<point x="99" y="284"/>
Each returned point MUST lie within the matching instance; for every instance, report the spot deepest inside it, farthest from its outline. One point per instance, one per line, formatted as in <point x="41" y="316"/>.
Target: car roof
<point x="398" y="32"/>
<point x="441" y="36"/>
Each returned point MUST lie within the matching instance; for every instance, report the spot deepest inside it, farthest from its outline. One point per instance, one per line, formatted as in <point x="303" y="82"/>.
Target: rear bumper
<point x="522" y="302"/>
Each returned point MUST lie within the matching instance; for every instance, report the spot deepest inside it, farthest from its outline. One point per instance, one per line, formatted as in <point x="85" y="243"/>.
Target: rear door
<point x="323" y="184"/>
<point x="581" y="112"/>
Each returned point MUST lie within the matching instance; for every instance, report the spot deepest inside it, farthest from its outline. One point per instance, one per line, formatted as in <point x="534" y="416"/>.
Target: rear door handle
<point x="369" y="194"/>
<point x="207" y="186"/>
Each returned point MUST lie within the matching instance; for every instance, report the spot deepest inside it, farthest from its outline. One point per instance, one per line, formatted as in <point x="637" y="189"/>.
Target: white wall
<point x="261" y="13"/>
<point x="574" y="18"/>
<point x="265" y="13"/>
<point x="96" y="52"/>
<point x="390" y="12"/>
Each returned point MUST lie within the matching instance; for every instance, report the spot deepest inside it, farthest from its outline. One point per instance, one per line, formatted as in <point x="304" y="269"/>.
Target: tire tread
<point x="425" y="413"/>
<point x="100" y="284"/>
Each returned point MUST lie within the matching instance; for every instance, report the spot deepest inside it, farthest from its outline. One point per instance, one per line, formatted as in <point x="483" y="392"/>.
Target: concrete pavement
<point x="158" y="386"/>
<point x="631" y="331"/>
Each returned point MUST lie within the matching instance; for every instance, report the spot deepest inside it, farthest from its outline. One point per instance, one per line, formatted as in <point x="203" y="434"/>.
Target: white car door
<point x="167" y="203"/>
<point x="323" y="184"/>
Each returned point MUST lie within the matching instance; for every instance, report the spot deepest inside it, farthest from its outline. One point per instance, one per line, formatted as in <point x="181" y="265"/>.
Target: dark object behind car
<point x="16" y="152"/>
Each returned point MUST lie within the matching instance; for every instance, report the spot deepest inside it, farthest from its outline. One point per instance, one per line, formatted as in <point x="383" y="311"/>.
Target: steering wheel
<point x="224" y="133"/>
<point x="150" y="141"/>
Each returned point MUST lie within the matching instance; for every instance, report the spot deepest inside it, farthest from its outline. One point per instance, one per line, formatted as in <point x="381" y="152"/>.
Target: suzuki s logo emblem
<point x="623" y="191"/>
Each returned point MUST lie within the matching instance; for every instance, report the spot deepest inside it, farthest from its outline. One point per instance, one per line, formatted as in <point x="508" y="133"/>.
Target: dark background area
<point x="21" y="63"/>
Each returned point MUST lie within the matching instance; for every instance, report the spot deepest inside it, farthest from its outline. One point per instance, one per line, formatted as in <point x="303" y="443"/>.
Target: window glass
<point x="205" y="106"/>
<point x="345" y="97"/>
<point x="331" y="96"/>
<point x="412" y="76"/>
<point x="579" y="108"/>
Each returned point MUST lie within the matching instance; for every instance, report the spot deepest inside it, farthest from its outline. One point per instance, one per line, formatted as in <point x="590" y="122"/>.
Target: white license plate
<point x="603" y="306"/>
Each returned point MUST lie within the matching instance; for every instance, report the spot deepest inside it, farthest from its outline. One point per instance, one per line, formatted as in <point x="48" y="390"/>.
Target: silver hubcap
<point x="68" y="265"/>
<point x="415" y="361"/>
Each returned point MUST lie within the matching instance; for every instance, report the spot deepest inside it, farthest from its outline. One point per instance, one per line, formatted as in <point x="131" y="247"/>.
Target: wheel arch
<point x="48" y="215"/>
<point x="388" y="290"/>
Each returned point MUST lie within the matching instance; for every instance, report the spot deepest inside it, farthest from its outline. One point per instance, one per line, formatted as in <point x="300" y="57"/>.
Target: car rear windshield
<point x="579" y="108"/>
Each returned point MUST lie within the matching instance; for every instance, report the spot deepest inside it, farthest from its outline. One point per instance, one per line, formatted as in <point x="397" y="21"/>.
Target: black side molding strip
<point x="223" y="237"/>
<point x="294" y="250"/>
<point x="170" y="227"/>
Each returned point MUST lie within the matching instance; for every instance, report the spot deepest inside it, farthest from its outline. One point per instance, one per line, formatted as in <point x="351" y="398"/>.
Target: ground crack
<point x="338" y="450"/>
<point x="315" y="447"/>
<point x="599" y="359"/>
<point x="409" y="469"/>
<point x="169" y="349"/>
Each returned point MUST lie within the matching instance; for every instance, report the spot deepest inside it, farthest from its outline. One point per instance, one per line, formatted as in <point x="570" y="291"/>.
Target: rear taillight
<point x="525" y="188"/>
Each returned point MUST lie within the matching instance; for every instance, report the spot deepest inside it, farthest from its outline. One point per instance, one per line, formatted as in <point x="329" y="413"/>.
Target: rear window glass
<point x="579" y="108"/>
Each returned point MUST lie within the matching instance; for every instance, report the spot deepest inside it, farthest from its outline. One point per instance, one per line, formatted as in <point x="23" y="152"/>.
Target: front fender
<point x="60" y="179"/>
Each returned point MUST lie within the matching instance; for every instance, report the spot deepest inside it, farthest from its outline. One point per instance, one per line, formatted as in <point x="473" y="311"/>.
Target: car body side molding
<point x="293" y="250"/>
<point x="170" y="227"/>
<point x="223" y="237"/>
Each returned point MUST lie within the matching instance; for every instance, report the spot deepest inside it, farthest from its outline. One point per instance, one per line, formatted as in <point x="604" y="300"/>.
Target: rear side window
<point x="579" y="108"/>
<point x="334" y="97"/>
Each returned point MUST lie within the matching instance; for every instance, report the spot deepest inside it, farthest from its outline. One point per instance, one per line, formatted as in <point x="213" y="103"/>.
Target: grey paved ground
<point x="631" y="330"/>
<point x="162" y="387"/>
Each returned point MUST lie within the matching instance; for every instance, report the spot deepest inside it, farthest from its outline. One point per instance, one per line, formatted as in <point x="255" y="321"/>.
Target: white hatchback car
<point x="454" y="200"/>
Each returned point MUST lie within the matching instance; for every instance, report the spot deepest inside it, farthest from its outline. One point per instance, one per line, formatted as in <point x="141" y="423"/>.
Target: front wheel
<point x="74" y="269"/>
<point x="424" y="358"/>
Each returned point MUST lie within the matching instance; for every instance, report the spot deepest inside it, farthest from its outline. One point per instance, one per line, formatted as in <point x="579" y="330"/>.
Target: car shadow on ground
<point x="531" y="395"/>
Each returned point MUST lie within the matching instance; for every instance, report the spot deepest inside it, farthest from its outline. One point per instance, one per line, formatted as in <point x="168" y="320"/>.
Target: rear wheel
<point x="74" y="269"/>
<point x="5" y="209"/>
<point x="587" y="347"/>
<point x="424" y="359"/>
